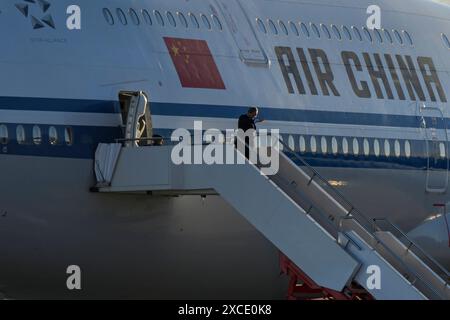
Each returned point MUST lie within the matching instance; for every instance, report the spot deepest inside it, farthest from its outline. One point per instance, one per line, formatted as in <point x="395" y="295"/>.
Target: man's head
<point x="253" y="112"/>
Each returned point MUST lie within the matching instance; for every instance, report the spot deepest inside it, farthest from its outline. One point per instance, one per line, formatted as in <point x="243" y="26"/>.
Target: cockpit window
<point x="147" y="18"/>
<point x="182" y="19"/>
<point x="194" y="20"/>
<point x="121" y="16"/>
<point x="108" y="16"/>
<point x="171" y="19"/>
<point x="446" y="40"/>
<point x="134" y="17"/>
<point x="159" y="18"/>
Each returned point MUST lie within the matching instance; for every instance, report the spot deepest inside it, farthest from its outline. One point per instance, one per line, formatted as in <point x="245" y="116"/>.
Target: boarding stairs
<point x="326" y="244"/>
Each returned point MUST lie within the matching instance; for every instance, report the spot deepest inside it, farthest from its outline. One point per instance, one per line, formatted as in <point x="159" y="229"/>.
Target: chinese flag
<point x="194" y="63"/>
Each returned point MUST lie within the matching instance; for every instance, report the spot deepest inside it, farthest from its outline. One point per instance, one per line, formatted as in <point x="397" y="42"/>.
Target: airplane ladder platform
<point x="296" y="209"/>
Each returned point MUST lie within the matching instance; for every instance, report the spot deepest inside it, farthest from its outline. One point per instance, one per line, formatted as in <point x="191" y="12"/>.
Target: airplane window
<point x="20" y="134"/>
<point x="408" y="37"/>
<point x="347" y="33"/>
<point x="398" y="36"/>
<point x="446" y="40"/>
<point x="324" y="145"/>
<point x="355" y="147"/>
<point x="315" y="29"/>
<point x="397" y="148"/>
<point x="171" y="19"/>
<point x="53" y="136"/>
<point x="273" y="27"/>
<point x="326" y="31"/>
<point x="388" y="35"/>
<point x="194" y="20"/>
<point x="305" y="29"/>
<point x="261" y="26"/>
<point x="217" y="22"/>
<point x="37" y="135"/>
<point x="367" y="34"/>
<point x="182" y="19"/>
<point x="336" y="31"/>
<point x="407" y="149"/>
<point x="366" y="146"/>
<point x="159" y="18"/>
<point x="108" y="16"/>
<point x="334" y="146"/>
<point x="121" y="16"/>
<point x="313" y="143"/>
<point x="387" y="148"/>
<point x="378" y="34"/>
<point x="291" y="142"/>
<point x="206" y="22"/>
<point x="376" y="147"/>
<point x="283" y="27"/>
<point x="294" y="28"/>
<point x="68" y="136"/>
<point x="147" y="18"/>
<point x="302" y="143"/>
<point x="357" y="33"/>
<point x="3" y="134"/>
<point x="134" y="17"/>
<point x="345" y="146"/>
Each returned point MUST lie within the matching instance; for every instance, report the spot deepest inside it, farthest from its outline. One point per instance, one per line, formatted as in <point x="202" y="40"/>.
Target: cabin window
<point x="53" y="136"/>
<point x="206" y="22"/>
<point x="194" y="20"/>
<point x="291" y="142"/>
<point x="302" y="143"/>
<point x="37" y="135"/>
<point x="388" y="36"/>
<point x="3" y="134"/>
<point x="357" y="33"/>
<point x="272" y="27"/>
<point x="378" y="35"/>
<point x="182" y="19"/>
<point x="294" y="28"/>
<point x="367" y="34"/>
<point x="446" y="40"/>
<point x="134" y="17"/>
<point x="345" y="146"/>
<point x="159" y="18"/>
<point x="408" y="37"/>
<point x="20" y="135"/>
<point x="261" y="26"/>
<point x="305" y="29"/>
<point x="315" y="30"/>
<point x="147" y="18"/>
<point x="387" y="148"/>
<point x="121" y="16"/>
<point x="68" y="136"/>
<point x="376" y="148"/>
<point x="347" y="33"/>
<point x="334" y="146"/>
<point x="171" y="19"/>
<point x="326" y="31"/>
<point x="398" y="37"/>
<point x="336" y="32"/>
<point x="366" y="147"/>
<point x="355" y="147"/>
<point x="283" y="27"/>
<point x="407" y="149"/>
<point x="313" y="144"/>
<point x="108" y="16"/>
<point x="397" y="148"/>
<point x="217" y="22"/>
<point x="324" y="145"/>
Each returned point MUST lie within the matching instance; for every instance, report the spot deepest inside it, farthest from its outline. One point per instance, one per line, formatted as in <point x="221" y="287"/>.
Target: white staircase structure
<point x="296" y="209"/>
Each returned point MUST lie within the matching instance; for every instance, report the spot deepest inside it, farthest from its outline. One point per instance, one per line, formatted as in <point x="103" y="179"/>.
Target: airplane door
<point x="241" y="28"/>
<point x="434" y="131"/>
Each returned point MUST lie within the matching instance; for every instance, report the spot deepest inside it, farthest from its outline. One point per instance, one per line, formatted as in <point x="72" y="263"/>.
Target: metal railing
<point x="371" y="226"/>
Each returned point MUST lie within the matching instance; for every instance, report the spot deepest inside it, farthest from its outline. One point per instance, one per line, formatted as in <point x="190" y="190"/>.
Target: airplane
<point x="367" y="108"/>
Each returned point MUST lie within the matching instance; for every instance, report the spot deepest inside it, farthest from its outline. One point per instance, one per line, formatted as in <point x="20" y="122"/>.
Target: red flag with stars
<point x="194" y="63"/>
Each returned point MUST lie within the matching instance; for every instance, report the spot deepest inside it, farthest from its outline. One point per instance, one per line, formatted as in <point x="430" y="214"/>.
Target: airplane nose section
<point x="434" y="238"/>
